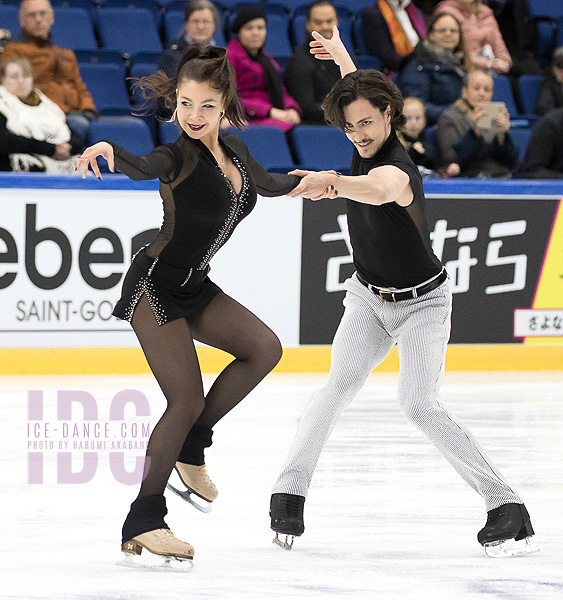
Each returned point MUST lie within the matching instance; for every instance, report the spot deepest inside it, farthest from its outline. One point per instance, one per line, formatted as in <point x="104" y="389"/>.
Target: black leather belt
<point x="414" y="292"/>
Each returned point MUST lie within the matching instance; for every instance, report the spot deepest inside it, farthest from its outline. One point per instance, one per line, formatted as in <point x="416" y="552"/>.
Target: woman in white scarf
<point x="34" y="135"/>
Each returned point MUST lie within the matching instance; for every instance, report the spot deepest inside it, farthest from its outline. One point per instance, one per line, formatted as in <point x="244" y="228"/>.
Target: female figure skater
<point x="208" y="185"/>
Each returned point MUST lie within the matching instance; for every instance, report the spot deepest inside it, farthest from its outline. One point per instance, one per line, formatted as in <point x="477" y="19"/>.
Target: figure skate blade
<point x="156" y="562"/>
<point x="510" y="548"/>
<point x="287" y="544"/>
<point x="188" y="496"/>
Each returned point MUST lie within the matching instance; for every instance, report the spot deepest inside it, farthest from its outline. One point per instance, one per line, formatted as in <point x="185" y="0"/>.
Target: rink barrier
<point x="305" y="359"/>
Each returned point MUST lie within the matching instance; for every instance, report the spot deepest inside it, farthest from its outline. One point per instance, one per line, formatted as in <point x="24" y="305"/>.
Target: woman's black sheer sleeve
<point x="160" y="163"/>
<point x="267" y="184"/>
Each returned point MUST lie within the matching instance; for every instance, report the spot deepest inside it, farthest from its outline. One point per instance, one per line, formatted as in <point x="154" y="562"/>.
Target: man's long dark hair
<point x="372" y="85"/>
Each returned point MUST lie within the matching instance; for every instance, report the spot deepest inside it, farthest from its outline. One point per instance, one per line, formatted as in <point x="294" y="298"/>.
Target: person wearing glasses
<point x="435" y="70"/>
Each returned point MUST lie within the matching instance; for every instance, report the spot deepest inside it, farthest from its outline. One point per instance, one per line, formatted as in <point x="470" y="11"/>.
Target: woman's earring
<point x="172" y="119"/>
<point x="222" y="114"/>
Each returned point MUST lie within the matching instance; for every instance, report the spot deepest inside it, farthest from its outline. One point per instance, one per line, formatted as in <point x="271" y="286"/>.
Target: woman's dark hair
<point x="372" y="85"/>
<point x="195" y="5"/>
<point x="461" y="47"/>
<point x="199" y="63"/>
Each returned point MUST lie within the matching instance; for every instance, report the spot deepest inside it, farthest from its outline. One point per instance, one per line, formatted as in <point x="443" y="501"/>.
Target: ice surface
<point x="386" y="516"/>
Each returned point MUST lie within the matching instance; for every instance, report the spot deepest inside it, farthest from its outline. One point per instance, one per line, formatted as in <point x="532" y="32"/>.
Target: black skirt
<point x="172" y="293"/>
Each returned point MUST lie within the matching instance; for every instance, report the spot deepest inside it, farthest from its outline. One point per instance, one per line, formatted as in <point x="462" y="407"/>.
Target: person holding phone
<point x="473" y="132"/>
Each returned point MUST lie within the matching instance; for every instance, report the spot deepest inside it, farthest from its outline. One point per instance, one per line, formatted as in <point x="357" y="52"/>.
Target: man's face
<point x="322" y="19"/>
<point x="366" y="126"/>
<point x="37" y="18"/>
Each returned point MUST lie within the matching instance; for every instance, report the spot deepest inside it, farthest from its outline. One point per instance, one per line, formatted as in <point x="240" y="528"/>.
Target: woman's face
<point x="253" y="35"/>
<point x="199" y="109"/>
<point x="16" y="81"/>
<point x="445" y="33"/>
<point x="200" y="26"/>
<point x="479" y="89"/>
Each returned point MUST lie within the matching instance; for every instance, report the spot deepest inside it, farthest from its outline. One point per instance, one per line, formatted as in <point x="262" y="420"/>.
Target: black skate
<point x="508" y="532"/>
<point x="286" y="512"/>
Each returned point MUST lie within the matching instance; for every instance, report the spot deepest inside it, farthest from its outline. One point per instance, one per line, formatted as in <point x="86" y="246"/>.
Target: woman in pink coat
<point x="259" y="81"/>
<point x="481" y="33"/>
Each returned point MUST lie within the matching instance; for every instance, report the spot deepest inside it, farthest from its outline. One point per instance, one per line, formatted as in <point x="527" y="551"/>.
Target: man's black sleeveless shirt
<point x="391" y="243"/>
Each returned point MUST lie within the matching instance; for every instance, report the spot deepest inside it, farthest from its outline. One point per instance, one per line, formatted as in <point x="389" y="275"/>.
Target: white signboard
<point x="64" y="253"/>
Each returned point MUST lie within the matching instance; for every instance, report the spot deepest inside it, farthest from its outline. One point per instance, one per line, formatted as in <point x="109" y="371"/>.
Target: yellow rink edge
<point x="307" y="359"/>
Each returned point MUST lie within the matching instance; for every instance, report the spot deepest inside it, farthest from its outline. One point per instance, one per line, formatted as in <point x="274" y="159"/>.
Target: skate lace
<point x="205" y="477"/>
<point x="292" y="506"/>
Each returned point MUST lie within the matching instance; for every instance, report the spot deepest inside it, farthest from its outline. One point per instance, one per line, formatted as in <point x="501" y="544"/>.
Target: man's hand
<point x="315" y="184"/>
<point x="62" y="151"/>
<point x="332" y="49"/>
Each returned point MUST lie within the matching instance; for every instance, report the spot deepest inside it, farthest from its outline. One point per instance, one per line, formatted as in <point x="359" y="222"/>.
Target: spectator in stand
<point x="55" y="69"/>
<point x="307" y="79"/>
<point x="34" y="135"/>
<point x="201" y="19"/>
<point x="435" y="70"/>
<point x="550" y="95"/>
<point x="259" y="81"/>
<point x="391" y="29"/>
<point x="477" y="151"/>
<point x="481" y="33"/>
<point x="413" y="139"/>
<point x="544" y="155"/>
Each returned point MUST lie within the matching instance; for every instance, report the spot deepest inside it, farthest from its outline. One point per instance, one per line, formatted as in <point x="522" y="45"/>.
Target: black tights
<point x="171" y="355"/>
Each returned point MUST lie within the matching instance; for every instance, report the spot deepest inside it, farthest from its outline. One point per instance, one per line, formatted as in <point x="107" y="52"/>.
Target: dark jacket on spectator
<point x="428" y="158"/>
<point x="378" y="42"/>
<point x="169" y="59"/>
<point x="436" y="83"/>
<point x="309" y="80"/>
<point x="476" y="156"/>
<point x="544" y="155"/>
<point x="550" y="95"/>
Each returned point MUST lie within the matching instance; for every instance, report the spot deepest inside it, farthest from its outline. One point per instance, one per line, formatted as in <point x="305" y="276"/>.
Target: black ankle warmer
<point x="198" y="439"/>
<point x="146" y="514"/>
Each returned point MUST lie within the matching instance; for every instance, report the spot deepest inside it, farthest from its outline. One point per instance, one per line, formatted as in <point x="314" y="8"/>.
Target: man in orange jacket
<point x="55" y="69"/>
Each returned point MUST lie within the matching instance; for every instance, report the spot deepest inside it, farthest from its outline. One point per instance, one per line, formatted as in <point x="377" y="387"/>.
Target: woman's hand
<point x="333" y="49"/>
<point x="62" y="151"/>
<point x="419" y="147"/>
<point x="478" y="113"/>
<point x="88" y="158"/>
<point x="452" y="170"/>
<point x="502" y="123"/>
<point x="315" y="184"/>
<point x="287" y="116"/>
<point x="500" y="65"/>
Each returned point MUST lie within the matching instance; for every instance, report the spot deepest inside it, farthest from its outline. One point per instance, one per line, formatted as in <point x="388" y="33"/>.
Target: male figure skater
<point x="398" y="295"/>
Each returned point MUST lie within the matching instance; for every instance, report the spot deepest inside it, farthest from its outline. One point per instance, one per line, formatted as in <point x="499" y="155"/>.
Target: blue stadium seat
<point x="320" y="147"/>
<point x="129" y="30"/>
<point x="267" y="145"/>
<point x="528" y="88"/>
<point x="357" y="33"/>
<point x="106" y="83"/>
<point x="169" y="132"/>
<point x="544" y="14"/>
<point x="174" y="26"/>
<point x="298" y="32"/>
<point x="100" y="55"/>
<point x="129" y="132"/>
<point x="73" y="29"/>
<point x="87" y="5"/>
<point x="521" y="137"/>
<point x="9" y="19"/>
<point x="502" y="92"/>
<point x="151" y="5"/>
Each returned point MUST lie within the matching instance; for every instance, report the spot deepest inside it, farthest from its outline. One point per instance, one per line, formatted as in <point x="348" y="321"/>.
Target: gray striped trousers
<point x="370" y="327"/>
